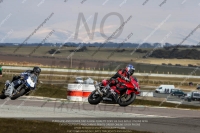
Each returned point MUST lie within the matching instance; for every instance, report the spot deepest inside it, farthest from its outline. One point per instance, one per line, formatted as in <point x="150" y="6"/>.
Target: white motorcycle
<point x="19" y="87"/>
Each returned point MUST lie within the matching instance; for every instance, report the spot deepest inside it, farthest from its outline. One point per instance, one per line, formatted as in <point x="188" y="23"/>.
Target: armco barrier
<point x="146" y="94"/>
<point x="79" y="92"/>
<point x="151" y="98"/>
<point x="98" y="72"/>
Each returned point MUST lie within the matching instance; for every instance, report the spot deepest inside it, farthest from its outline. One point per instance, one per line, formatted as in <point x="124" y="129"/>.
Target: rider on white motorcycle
<point x="36" y="70"/>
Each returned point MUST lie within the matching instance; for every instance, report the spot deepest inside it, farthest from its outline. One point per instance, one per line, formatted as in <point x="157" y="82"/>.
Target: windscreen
<point x="196" y="94"/>
<point x="33" y="78"/>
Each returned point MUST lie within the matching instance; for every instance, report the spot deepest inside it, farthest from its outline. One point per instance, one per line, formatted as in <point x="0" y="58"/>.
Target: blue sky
<point x="152" y="20"/>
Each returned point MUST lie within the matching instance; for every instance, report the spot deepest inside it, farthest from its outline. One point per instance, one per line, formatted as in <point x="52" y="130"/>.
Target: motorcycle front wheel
<point x="2" y="96"/>
<point x="126" y="100"/>
<point x="22" y="91"/>
<point x="94" y="98"/>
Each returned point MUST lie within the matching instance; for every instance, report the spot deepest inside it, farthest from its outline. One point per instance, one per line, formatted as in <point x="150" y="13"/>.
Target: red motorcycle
<point x="126" y="95"/>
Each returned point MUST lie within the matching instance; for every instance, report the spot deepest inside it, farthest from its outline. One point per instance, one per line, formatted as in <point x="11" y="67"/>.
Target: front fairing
<point x="31" y="81"/>
<point x="133" y="85"/>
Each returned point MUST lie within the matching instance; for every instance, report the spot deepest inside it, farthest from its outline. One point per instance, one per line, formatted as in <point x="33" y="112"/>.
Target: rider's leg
<point x="114" y="92"/>
<point x="15" y="78"/>
<point x="117" y="90"/>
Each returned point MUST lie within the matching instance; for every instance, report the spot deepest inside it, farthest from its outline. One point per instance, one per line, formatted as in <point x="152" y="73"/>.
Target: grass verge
<point x="35" y="126"/>
<point x="53" y="91"/>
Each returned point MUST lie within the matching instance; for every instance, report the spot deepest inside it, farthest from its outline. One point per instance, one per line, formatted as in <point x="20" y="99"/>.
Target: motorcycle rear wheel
<point x="22" y="91"/>
<point x="94" y="98"/>
<point x="131" y="98"/>
<point x="2" y="96"/>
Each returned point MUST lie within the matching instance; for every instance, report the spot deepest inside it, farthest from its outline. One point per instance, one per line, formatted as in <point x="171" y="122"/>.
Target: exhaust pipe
<point x="97" y="89"/>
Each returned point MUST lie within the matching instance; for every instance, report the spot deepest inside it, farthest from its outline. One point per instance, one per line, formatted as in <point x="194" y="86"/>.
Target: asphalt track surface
<point x="156" y="119"/>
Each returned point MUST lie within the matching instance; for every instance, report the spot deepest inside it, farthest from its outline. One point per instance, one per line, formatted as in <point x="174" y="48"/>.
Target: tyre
<point x="126" y="100"/>
<point x="192" y="99"/>
<point x="189" y="99"/>
<point x="22" y="91"/>
<point x="2" y="96"/>
<point x="94" y="98"/>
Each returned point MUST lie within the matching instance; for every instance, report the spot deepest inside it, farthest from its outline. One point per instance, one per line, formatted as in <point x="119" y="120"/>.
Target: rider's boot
<point x="115" y="95"/>
<point x="107" y="93"/>
<point x="7" y="83"/>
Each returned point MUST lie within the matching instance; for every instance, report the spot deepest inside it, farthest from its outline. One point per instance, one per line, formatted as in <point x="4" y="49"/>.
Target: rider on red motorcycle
<point x="123" y="74"/>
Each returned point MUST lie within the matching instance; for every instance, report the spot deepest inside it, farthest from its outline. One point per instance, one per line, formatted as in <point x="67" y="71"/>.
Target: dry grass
<point x="183" y="62"/>
<point x="102" y="54"/>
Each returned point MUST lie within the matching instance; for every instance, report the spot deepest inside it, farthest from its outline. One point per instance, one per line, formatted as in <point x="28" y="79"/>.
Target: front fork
<point x="97" y="88"/>
<point x="18" y="89"/>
